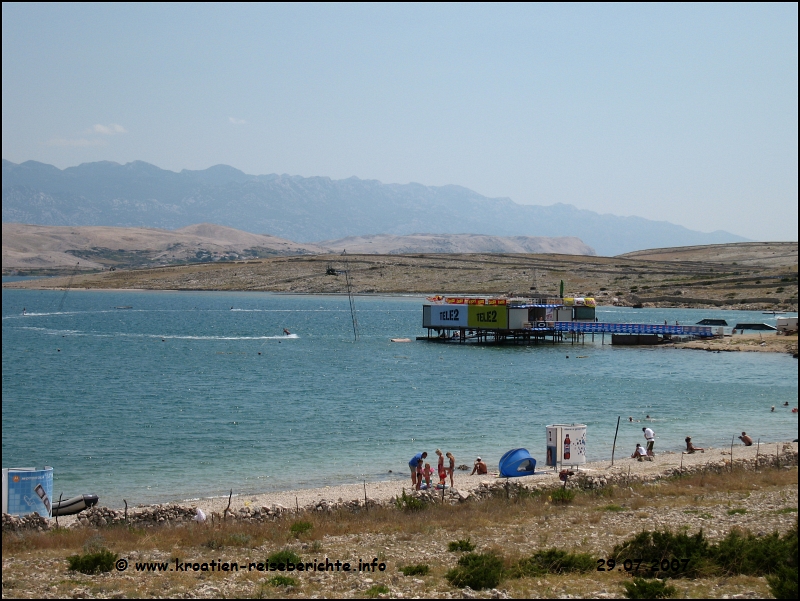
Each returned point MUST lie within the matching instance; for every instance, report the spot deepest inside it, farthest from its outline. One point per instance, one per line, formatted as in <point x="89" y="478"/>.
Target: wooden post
<point x="614" y="446"/>
<point x="681" y="472"/>
<point x="225" y="513"/>
<point x="126" y="510"/>
<point x="59" y="505"/>
<point x="778" y="454"/>
<point x="296" y="506"/>
<point x="366" y="508"/>
<point x="732" y="439"/>
<point x="758" y="448"/>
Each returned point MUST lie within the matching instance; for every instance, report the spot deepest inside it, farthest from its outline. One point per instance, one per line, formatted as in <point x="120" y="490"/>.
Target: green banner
<point x="488" y="316"/>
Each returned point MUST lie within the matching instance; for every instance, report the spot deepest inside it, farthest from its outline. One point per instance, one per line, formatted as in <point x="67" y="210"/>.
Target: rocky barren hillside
<point x="50" y="249"/>
<point x="613" y="280"/>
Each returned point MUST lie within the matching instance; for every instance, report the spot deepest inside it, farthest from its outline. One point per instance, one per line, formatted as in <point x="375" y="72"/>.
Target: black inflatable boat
<point x="74" y="505"/>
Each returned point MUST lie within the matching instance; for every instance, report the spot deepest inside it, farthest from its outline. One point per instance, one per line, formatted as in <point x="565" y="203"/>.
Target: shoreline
<point x="711" y="305"/>
<point x="383" y="492"/>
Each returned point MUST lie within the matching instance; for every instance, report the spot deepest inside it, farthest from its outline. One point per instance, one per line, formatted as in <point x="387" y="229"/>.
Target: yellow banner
<point x="455" y="300"/>
<point x="579" y="302"/>
<point x="487" y="316"/>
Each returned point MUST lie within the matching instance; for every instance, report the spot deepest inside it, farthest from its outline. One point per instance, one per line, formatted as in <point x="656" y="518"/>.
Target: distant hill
<point x="36" y="248"/>
<point x="385" y="244"/>
<point x="306" y="209"/>
<point x="771" y="254"/>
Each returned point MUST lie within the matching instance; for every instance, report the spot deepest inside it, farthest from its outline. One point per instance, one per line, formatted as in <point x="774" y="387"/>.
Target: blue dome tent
<point x="517" y="462"/>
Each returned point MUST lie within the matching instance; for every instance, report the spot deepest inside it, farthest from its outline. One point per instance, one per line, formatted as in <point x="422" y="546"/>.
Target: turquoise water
<point x="171" y="399"/>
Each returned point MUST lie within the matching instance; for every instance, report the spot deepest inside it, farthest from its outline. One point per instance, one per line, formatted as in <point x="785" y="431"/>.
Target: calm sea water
<point x="190" y="394"/>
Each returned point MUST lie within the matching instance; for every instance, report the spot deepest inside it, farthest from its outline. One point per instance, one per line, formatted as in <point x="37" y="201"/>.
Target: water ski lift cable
<point x="350" y="296"/>
<point x="66" y="290"/>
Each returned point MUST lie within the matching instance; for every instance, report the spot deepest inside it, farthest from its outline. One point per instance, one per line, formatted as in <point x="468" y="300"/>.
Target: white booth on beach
<point x="566" y="445"/>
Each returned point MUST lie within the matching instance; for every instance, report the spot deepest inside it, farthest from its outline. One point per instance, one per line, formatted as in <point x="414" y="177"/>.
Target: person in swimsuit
<point x="452" y="468"/>
<point x="690" y="448"/>
<point x="479" y="467"/>
<point x="440" y="466"/>
<point x="427" y="473"/>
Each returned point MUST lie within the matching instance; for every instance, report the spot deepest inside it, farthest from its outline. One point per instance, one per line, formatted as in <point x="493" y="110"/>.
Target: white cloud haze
<point x="108" y="130"/>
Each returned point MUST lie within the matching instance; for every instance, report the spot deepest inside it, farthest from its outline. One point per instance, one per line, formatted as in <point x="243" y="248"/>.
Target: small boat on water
<point x="74" y="505"/>
<point x="125" y="307"/>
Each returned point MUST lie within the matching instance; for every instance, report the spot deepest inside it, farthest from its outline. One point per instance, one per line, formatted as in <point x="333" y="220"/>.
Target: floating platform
<point x="532" y="321"/>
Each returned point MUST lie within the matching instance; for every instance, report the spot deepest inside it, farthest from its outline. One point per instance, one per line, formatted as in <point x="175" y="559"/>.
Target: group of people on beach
<point x="650" y="437"/>
<point x="641" y="453"/>
<point x="421" y="471"/>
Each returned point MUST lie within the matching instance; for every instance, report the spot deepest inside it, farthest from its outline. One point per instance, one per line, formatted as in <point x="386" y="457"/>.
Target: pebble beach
<point x="593" y="474"/>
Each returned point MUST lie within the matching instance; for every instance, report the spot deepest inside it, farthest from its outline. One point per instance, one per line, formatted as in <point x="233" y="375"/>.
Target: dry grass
<point x="513" y="528"/>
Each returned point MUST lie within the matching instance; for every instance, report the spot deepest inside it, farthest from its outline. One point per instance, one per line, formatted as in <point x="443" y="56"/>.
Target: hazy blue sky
<point x="684" y="113"/>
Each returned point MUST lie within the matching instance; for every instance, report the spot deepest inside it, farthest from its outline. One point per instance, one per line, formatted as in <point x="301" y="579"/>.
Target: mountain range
<point x="307" y="209"/>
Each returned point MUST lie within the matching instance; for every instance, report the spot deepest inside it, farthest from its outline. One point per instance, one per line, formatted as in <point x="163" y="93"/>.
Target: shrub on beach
<point x="282" y="581"/>
<point x="460" y="545"/>
<point x="562" y="496"/>
<point x="477" y="571"/>
<point x="420" y="569"/>
<point x="641" y="588"/>
<point x="409" y="503"/>
<point x="553" y="561"/>
<point x="654" y="547"/>
<point x="783" y="583"/>
<point x="746" y="553"/>
<point x="300" y="527"/>
<point x="738" y="553"/>
<point x="93" y="562"/>
<point x="375" y="590"/>
<point x="284" y="556"/>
